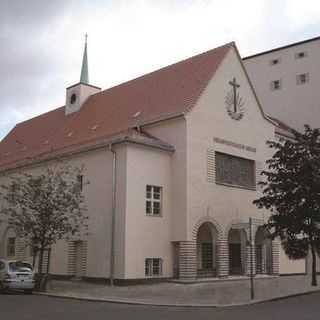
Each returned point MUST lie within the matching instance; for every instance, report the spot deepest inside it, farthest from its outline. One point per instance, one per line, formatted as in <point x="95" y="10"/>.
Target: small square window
<point x="301" y="54"/>
<point x="275" y="85"/>
<point x="153" y="267"/>
<point x="302" y="78"/>
<point x="275" y="61"/>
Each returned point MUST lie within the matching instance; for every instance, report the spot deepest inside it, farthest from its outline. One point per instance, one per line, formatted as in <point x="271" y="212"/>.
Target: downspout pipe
<point x="113" y="214"/>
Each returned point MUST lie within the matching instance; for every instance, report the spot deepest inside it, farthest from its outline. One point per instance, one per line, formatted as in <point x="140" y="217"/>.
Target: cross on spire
<point x="235" y="86"/>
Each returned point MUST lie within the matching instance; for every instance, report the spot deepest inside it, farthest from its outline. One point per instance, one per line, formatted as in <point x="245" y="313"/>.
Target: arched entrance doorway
<point x="263" y="245"/>
<point x="237" y="251"/>
<point x="206" y="250"/>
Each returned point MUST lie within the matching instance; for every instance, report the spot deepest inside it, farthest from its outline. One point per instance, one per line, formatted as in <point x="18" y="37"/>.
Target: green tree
<point x="291" y="191"/>
<point x="45" y="208"/>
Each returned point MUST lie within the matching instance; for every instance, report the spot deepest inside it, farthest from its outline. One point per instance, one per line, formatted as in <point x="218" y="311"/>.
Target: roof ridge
<point x="161" y="94"/>
<point x="229" y="44"/>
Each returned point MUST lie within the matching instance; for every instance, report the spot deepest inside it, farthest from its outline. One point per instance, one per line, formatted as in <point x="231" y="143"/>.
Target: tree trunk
<point x="40" y="262"/>
<point x="39" y="278"/>
<point x="49" y="261"/>
<point x="314" y="267"/>
<point x="34" y="256"/>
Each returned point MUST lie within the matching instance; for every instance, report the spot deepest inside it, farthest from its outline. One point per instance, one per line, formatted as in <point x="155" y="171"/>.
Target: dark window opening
<point x="235" y="171"/>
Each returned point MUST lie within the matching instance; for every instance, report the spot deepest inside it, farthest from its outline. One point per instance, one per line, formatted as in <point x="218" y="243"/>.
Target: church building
<point x="173" y="159"/>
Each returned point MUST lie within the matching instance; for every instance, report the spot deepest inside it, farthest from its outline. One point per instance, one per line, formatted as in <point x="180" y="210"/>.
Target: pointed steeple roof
<point x="84" y="77"/>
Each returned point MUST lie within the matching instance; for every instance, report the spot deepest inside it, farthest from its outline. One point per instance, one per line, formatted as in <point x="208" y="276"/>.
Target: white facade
<point x="295" y="102"/>
<point x="202" y="228"/>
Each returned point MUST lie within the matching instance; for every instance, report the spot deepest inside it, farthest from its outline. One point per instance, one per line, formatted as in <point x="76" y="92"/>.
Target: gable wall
<point x="208" y="120"/>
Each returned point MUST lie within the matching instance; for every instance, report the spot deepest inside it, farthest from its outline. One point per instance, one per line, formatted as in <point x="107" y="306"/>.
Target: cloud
<point x="26" y="57"/>
<point x="42" y="42"/>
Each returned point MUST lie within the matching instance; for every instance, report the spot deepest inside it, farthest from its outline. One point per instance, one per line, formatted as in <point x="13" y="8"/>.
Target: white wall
<point x="209" y="119"/>
<point x="288" y="266"/>
<point x="294" y="104"/>
<point x="174" y="132"/>
<point x="147" y="236"/>
<point x="98" y="199"/>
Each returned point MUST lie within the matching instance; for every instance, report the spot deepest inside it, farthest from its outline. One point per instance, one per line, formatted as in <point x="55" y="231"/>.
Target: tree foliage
<point x="46" y="207"/>
<point x="291" y="191"/>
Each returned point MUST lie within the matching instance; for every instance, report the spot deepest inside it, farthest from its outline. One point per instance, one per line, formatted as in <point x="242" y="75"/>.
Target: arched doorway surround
<point x="207" y="237"/>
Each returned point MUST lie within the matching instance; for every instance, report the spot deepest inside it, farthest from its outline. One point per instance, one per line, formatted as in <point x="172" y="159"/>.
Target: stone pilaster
<point x="275" y="256"/>
<point x="187" y="259"/>
<point x="223" y="257"/>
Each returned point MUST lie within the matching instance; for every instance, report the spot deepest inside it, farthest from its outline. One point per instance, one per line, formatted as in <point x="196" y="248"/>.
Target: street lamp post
<point x="251" y="260"/>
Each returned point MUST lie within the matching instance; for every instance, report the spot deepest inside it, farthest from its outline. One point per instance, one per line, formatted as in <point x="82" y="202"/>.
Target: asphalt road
<point x="23" y="307"/>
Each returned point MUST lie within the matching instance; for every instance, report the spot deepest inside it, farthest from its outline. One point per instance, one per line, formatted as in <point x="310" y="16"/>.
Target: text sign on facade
<point x="234" y="144"/>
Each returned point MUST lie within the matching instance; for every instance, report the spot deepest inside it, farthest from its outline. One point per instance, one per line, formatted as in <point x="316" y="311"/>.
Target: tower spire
<point x="84" y="77"/>
<point x="78" y="94"/>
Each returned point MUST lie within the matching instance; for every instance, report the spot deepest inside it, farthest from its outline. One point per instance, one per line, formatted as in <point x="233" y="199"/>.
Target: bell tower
<point x="78" y="93"/>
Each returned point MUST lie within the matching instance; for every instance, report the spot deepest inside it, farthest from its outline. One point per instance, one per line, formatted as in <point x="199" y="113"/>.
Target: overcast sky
<point x="41" y="41"/>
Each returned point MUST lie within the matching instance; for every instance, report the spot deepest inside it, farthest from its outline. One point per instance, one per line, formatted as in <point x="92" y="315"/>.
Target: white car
<point x="16" y="275"/>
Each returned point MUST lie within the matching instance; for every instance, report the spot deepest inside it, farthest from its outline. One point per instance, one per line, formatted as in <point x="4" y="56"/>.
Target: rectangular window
<point x="11" y="247"/>
<point x="235" y="171"/>
<point x="300" y="55"/>
<point x="153" y="200"/>
<point x="153" y="267"/>
<point x="275" y="85"/>
<point x="302" y="78"/>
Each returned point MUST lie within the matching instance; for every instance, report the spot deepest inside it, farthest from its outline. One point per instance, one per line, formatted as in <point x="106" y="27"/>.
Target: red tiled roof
<point x="170" y="91"/>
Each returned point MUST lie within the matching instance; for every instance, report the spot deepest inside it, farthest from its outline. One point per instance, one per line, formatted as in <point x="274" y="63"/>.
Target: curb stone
<point x="145" y="303"/>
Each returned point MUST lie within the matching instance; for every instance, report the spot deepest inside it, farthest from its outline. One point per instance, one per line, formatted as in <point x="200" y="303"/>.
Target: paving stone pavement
<point x="202" y="293"/>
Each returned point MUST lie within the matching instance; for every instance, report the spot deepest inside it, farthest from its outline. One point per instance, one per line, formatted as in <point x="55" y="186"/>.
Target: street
<point x="23" y="307"/>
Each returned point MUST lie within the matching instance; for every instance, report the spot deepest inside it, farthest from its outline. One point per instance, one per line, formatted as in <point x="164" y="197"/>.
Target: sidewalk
<point x="214" y="294"/>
